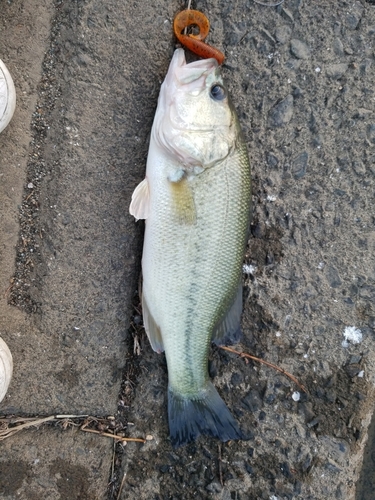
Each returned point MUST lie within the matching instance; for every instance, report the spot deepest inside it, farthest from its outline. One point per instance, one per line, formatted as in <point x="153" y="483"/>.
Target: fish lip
<point x="191" y="75"/>
<point x="179" y="57"/>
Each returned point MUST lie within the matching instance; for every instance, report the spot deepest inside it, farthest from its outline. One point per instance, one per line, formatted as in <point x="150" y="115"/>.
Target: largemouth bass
<point x="196" y="202"/>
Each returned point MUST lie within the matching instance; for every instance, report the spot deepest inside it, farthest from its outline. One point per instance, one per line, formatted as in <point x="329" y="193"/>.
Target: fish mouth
<point x="191" y="75"/>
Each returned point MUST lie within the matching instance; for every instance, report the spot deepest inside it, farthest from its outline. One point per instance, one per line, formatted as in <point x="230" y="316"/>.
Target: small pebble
<point x="333" y="276"/>
<point x="214" y="487"/>
<point x="282" y="34"/>
<point x="370" y="132"/>
<point x="341" y="491"/>
<point x="281" y="114"/>
<point x="268" y="35"/>
<point x="315" y="421"/>
<point x="253" y="401"/>
<point x="287" y="15"/>
<point x="352" y="370"/>
<point x="331" y="466"/>
<point x="299" y="165"/>
<point x="336" y="71"/>
<point x="359" y="167"/>
<point x="352" y="335"/>
<point x="296" y="396"/>
<point x="299" y="49"/>
<point x="338" y="47"/>
<point x="353" y="18"/>
<point x="272" y="160"/>
<point x="248" y="269"/>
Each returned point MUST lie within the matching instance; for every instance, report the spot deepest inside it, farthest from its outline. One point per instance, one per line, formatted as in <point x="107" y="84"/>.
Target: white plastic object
<point x="7" y="96"/>
<point x="6" y="368"/>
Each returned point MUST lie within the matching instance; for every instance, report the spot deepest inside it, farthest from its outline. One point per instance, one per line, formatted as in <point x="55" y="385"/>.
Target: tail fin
<point x="205" y="413"/>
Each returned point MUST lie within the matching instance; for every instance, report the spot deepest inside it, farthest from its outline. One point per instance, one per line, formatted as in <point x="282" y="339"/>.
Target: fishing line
<point x="269" y="4"/>
<point x="187" y="8"/>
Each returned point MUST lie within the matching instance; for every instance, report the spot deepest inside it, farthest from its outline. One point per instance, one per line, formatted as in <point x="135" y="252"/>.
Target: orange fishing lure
<point x="195" y="43"/>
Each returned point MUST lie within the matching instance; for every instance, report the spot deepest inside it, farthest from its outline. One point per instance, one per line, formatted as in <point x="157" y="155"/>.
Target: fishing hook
<point x="195" y="43"/>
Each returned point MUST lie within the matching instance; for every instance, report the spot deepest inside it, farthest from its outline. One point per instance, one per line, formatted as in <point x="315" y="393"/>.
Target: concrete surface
<point x="75" y="270"/>
<point x="302" y="78"/>
<point x="52" y="464"/>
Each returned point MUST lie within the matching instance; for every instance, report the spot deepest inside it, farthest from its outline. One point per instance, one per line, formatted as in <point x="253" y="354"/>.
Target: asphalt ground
<point x="87" y="76"/>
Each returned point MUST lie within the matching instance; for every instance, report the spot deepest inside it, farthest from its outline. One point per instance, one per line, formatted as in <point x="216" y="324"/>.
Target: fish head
<point x="195" y="121"/>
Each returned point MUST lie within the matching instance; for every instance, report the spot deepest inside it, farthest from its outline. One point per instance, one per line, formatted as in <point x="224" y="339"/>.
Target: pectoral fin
<point x="183" y="201"/>
<point x="228" y="330"/>
<point x="152" y="329"/>
<point x="140" y="204"/>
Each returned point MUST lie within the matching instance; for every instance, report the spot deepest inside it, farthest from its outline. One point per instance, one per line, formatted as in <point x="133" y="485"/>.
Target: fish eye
<point x="218" y="93"/>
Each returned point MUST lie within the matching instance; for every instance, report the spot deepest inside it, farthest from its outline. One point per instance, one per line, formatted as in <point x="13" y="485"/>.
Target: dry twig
<point x="121" y="486"/>
<point x="113" y="436"/>
<point x="11" y="425"/>
<point x="267" y="363"/>
<point x="10" y="431"/>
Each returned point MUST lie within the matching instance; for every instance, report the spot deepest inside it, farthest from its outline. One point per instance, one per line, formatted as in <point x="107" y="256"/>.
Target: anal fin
<point x="152" y="329"/>
<point x="228" y="330"/>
